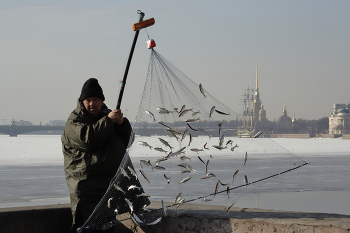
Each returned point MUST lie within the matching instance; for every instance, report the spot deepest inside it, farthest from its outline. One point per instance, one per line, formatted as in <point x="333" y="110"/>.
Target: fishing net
<point x="187" y="154"/>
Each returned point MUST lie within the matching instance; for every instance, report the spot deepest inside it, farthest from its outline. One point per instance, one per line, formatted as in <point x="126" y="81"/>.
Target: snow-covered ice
<point x="31" y="169"/>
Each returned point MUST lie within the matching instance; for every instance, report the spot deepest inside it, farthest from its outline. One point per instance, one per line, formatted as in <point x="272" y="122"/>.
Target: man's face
<point x="93" y="105"/>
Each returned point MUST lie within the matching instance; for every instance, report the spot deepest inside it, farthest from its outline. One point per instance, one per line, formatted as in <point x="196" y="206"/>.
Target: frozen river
<point x="31" y="172"/>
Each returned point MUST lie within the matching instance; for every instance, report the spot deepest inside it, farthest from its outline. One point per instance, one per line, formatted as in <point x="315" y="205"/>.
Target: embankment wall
<point x="287" y="135"/>
<point x="199" y="218"/>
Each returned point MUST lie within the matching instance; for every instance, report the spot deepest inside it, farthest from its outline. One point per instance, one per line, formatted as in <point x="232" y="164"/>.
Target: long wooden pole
<point x="141" y="24"/>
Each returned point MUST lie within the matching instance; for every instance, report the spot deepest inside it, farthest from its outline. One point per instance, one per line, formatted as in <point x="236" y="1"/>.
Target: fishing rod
<point x="136" y="27"/>
<point x="236" y="187"/>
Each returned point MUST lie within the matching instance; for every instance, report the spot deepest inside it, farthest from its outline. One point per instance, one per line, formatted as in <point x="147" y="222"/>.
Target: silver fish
<point x="109" y="202"/>
<point x="221" y="140"/>
<point x="216" y="188"/>
<point x="184" y="112"/>
<point x="189" y="143"/>
<point x="233" y="148"/>
<point x="151" y="114"/>
<point x="228" y="209"/>
<point x="186" y="170"/>
<point x="184" y="135"/>
<point x="165" y="143"/>
<point x="144" y="175"/>
<point x="187" y="166"/>
<point x="171" y="133"/>
<point x="192" y="127"/>
<point x="222" y="113"/>
<point x="130" y="205"/>
<point x="211" y="111"/>
<point x="180" y="202"/>
<point x="234" y="175"/>
<point x="184" y="157"/>
<point x="164" y="207"/>
<point x="138" y="220"/>
<point x="133" y="172"/>
<point x="144" y="144"/>
<point x="208" y="175"/>
<point x="222" y="183"/>
<point x="229" y="142"/>
<point x="196" y="150"/>
<point x="192" y="120"/>
<point x="148" y="162"/>
<point x="182" y="108"/>
<point x="124" y="173"/>
<point x="179" y="151"/>
<point x="119" y="189"/>
<point x="246" y="181"/>
<point x="163" y="111"/>
<point x="162" y="123"/>
<point x="133" y="187"/>
<point x="201" y="89"/>
<point x="245" y="157"/>
<point x="258" y="134"/>
<point x="185" y="180"/>
<point x="155" y="222"/>
<point x="219" y="147"/>
<point x="195" y="113"/>
<point x="204" y="146"/>
<point x="201" y="159"/>
<point x="178" y="198"/>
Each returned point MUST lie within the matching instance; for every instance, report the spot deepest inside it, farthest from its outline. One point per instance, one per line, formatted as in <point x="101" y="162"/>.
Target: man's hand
<point x="116" y="116"/>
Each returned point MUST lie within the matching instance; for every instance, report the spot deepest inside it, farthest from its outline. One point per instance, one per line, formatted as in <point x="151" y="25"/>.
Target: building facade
<point x="339" y="119"/>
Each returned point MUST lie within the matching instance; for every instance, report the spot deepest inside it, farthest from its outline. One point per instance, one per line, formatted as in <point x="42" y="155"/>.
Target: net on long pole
<point x="189" y="156"/>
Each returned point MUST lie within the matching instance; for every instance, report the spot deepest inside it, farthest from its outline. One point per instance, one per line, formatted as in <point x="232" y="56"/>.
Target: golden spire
<point x="257" y="86"/>
<point x="257" y="75"/>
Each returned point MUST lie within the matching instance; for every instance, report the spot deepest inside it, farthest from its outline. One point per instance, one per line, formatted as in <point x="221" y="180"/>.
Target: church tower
<point x="257" y="101"/>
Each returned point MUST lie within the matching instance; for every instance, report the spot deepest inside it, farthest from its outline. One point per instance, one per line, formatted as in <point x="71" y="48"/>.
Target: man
<point x="94" y="142"/>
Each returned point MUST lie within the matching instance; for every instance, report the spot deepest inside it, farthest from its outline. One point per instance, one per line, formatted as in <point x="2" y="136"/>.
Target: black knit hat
<point x="91" y="88"/>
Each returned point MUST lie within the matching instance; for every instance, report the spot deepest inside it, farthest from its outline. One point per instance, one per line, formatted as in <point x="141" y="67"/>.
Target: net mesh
<point x="190" y="156"/>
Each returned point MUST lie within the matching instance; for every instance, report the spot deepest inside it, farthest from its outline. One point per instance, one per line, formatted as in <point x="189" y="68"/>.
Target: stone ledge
<point x="197" y="218"/>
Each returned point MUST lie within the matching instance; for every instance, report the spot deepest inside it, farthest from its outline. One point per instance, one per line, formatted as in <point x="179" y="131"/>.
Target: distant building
<point x="339" y="119"/>
<point x="24" y="123"/>
<point x="284" y="122"/>
<point x="262" y="114"/>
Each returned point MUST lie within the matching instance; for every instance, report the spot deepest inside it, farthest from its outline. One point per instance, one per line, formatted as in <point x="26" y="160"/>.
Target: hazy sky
<point x="48" y="49"/>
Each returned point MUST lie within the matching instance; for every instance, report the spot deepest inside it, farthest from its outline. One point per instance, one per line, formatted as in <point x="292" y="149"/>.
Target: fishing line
<point x="239" y="186"/>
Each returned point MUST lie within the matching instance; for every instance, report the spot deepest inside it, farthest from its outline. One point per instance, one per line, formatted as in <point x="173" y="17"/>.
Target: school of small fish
<point x="184" y="167"/>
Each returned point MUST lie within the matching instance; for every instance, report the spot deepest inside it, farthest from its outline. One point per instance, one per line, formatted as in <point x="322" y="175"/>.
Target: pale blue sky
<point x="49" y="48"/>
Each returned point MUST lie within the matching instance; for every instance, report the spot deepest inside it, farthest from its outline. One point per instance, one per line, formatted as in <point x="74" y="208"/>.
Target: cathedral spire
<point x="257" y="86"/>
<point x="257" y="76"/>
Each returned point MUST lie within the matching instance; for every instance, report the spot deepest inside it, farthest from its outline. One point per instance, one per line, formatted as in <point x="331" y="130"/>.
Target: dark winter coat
<point x="93" y="149"/>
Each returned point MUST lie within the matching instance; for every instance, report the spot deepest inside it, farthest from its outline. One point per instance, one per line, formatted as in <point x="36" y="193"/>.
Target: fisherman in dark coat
<point x="94" y="142"/>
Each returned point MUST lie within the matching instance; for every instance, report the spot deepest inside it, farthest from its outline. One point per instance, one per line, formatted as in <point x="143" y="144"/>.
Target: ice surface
<point x="31" y="171"/>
